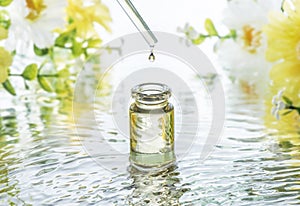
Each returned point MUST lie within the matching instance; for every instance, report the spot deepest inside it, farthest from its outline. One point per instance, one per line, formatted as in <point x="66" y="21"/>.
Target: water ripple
<point x="43" y="162"/>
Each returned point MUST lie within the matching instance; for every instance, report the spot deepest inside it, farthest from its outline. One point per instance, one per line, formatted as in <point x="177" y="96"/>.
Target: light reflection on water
<point x="42" y="161"/>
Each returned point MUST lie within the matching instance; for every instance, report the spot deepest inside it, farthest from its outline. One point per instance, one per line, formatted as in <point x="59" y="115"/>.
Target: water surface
<point x="42" y="162"/>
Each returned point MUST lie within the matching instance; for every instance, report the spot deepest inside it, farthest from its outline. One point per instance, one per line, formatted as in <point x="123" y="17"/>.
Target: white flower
<point x="189" y="31"/>
<point x="245" y="56"/>
<point x="278" y="104"/>
<point x="249" y="12"/>
<point x="33" y="22"/>
<point x="246" y="67"/>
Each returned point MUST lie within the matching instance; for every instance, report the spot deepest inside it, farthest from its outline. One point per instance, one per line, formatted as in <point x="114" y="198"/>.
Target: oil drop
<point x="151" y="56"/>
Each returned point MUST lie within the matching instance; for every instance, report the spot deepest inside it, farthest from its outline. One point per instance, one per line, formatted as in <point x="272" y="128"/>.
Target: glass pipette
<point x="138" y="21"/>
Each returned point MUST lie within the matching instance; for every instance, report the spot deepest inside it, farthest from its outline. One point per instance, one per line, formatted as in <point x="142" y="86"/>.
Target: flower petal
<point x="281" y="105"/>
<point x="277" y="116"/>
<point x="274" y="100"/>
<point x="273" y="111"/>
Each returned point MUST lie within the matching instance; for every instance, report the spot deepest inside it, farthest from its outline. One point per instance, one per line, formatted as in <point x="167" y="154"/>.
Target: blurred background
<point x="42" y="157"/>
<point x="166" y="16"/>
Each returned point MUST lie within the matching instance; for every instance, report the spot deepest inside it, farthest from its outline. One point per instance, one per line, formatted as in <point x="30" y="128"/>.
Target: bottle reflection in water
<point x="156" y="188"/>
<point x="151" y="126"/>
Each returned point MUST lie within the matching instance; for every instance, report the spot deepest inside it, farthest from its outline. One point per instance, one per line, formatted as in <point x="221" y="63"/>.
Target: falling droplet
<point x="151" y="57"/>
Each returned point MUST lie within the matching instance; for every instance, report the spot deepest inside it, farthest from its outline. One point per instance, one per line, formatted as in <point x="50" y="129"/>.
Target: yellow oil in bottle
<point x="151" y="126"/>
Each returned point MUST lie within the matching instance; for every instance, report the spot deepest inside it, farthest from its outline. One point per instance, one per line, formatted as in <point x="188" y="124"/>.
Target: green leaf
<point x="5" y="62"/>
<point x="287" y="100"/>
<point x="4" y="19"/>
<point x="285" y="144"/>
<point x="77" y="48"/>
<point x="64" y="38"/>
<point x="30" y="72"/>
<point x="39" y="51"/>
<point x="233" y="33"/>
<point x="210" y="28"/>
<point x="286" y="113"/>
<point x="94" y="43"/>
<point x="45" y="84"/>
<point x="60" y="86"/>
<point x="3" y="33"/>
<point x="3" y="75"/>
<point x="199" y="40"/>
<point x="8" y="86"/>
<point x="5" y="2"/>
<point x="26" y="85"/>
<point x="281" y="7"/>
<point x="64" y="73"/>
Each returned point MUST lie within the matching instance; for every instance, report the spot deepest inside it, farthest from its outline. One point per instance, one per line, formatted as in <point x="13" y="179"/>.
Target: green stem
<point x="218" y="36"/>
<point x="291" y="107"/>
<point x="42" y="65"/>
<point x="40" y="75"/>
<point x="298" y="110"/>
<point x="48" y="75"/>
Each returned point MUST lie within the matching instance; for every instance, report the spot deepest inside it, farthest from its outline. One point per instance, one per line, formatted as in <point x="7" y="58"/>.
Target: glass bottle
<point x="151" y="126"/>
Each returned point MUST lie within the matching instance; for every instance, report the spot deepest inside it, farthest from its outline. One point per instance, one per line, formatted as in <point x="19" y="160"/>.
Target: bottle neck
<point x="151" y="95"/>
<point x="151" y="105"/>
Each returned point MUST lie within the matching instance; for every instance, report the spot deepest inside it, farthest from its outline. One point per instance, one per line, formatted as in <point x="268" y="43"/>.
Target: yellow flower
<point x="252" y="39"/>
<point x="5" y="62"/>
<point x="284" y="50"/>
<point x="35" y="8"/>
<point x="283" y="34"/>
<point x="83" y="14"/>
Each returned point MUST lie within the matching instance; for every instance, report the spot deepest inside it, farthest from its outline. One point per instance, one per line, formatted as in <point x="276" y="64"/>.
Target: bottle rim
<point x="151" y="93"/>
